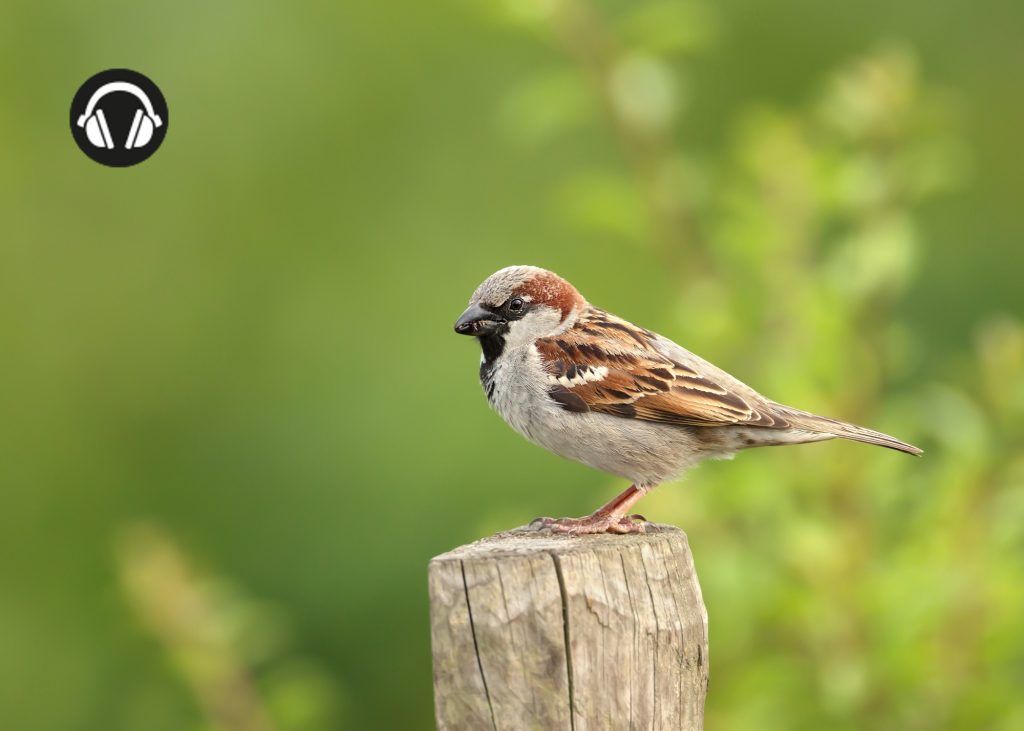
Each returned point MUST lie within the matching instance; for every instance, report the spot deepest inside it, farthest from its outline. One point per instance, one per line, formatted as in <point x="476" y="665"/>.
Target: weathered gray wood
<point x="504" y="610"/>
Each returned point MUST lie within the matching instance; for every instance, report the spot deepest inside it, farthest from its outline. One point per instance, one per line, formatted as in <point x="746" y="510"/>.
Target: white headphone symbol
<point x="95" y="123"/>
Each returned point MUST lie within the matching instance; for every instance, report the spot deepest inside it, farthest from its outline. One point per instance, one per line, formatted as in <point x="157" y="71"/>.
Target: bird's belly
<point x="639" y="451"/>
<point x="642" y="452"/>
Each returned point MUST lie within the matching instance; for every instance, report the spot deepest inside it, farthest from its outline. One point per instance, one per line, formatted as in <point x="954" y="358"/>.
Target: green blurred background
<point x="236" y="423"/>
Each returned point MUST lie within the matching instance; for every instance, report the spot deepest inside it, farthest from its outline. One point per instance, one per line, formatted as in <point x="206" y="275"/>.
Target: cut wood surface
<point x="536" y="630"/>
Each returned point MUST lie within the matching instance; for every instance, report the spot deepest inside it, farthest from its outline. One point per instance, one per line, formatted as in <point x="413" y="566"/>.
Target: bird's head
<point x="520" y="304"/>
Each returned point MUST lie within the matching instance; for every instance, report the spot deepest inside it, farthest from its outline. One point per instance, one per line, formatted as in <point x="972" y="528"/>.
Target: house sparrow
<point x="592" y="387"/>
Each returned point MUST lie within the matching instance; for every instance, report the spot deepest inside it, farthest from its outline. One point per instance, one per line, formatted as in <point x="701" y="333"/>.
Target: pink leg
<point x="610" y="518"/>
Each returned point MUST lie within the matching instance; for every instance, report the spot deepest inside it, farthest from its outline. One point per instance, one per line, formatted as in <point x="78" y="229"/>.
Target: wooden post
<point x="535" y="630"/>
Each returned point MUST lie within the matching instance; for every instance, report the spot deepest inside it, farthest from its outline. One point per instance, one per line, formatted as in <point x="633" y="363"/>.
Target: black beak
<point x="478" y="321"/>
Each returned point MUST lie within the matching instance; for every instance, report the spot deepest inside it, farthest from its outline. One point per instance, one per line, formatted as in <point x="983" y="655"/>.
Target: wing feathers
<point x="607" y="365"/>
<point x="568" y="400"/>
<point x="614" y="367"/>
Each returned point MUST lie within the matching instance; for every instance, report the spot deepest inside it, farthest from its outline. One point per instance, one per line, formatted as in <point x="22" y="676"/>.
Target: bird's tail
<point x="844" y="430"/>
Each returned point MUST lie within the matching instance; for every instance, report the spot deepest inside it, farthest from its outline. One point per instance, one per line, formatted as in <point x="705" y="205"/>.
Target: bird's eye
<point x="516" y="304"/>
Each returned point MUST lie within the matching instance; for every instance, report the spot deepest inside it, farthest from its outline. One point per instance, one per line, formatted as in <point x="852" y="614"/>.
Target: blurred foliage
<point x="215" y="637"/>
<point x="237" y="425"/>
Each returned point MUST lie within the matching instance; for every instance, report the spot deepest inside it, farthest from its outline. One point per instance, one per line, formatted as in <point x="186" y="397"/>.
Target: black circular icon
<point x="119" y="117"/>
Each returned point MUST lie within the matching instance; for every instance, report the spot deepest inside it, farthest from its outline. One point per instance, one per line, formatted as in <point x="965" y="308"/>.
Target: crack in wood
<point x="476" y="645"/>
<point x="568" y="644"/>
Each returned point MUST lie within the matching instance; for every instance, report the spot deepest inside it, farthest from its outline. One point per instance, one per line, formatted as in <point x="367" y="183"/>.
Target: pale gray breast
<point x="516" y="388"/>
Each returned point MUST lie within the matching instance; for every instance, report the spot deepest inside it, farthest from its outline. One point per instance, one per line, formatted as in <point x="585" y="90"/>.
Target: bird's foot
<point x="597" y="523"/>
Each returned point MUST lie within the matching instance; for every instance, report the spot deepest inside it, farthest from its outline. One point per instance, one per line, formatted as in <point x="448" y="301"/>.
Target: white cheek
<point x="538" y="323"/>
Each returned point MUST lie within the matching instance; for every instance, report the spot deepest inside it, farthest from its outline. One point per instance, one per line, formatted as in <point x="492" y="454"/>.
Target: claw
<point x="597" y="523"/>
<point x="610" y="518"/>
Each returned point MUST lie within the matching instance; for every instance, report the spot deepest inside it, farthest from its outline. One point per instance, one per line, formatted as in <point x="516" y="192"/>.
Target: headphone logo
<point x="119" y="117"/>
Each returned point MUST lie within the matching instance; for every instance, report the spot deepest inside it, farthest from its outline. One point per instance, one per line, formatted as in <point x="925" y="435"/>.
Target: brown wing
<point x="607" y="365"/>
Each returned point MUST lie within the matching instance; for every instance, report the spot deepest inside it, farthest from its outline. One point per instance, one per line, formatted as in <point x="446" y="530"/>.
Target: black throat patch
<point x="493" y="346"/>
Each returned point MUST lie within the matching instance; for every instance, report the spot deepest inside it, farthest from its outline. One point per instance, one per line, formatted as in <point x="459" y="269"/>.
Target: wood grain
<point x="535" y="630"/>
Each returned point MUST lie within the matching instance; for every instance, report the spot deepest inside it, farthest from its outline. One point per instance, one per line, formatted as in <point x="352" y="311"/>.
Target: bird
<point x="592" y="387"/>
